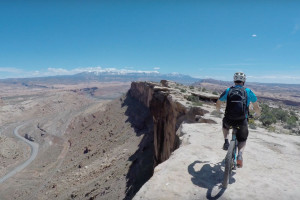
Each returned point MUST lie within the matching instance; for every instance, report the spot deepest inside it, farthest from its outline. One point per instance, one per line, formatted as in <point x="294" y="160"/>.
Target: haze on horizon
<point x="196" y="38"/>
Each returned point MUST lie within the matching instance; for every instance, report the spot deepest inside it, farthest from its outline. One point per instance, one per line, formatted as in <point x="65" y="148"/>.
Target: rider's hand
<point x="256" y="115"/>
<point x="221" y="111"/>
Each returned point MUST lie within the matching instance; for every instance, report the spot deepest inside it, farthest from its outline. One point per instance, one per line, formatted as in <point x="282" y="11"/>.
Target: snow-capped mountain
<point x="134" y="76"/>
<point x="107" y="75"/>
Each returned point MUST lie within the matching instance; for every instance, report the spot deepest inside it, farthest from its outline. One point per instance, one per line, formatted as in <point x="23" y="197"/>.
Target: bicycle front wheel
<point x="229" y="163"/>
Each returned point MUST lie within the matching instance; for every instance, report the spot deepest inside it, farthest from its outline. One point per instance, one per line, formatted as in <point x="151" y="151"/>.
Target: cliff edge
<point x="189" y="160"/>
<point x="169" y="108"/>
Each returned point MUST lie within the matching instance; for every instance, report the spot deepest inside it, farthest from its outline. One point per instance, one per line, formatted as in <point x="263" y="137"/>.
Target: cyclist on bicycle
<point x="237" y="100"/>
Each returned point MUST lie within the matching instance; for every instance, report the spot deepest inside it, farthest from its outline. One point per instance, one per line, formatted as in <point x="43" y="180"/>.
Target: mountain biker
<point x="240" y="122"/>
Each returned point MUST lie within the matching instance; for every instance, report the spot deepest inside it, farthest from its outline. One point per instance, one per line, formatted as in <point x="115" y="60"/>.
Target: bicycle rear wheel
<point x="229" y="164"/>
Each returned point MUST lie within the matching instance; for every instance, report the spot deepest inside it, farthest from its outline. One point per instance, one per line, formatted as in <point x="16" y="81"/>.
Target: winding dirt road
<point x="34" y="151"/>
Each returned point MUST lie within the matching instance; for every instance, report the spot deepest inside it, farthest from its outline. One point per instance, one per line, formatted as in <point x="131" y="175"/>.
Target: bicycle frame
<point x="231" y="158"/>
<point x="235" y="147"/>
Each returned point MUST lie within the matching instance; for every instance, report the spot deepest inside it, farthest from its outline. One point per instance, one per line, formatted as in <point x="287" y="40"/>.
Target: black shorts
<point x="242" y="128"/>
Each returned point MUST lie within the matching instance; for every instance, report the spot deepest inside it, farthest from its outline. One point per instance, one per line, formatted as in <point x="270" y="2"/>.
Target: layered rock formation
<point x="169" y="109"/>
<point x="196" y="169"/>
<point x="206" y="96"/>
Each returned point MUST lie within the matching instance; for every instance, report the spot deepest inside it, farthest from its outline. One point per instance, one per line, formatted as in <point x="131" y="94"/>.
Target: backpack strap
<point x="229" y="91"/>
<point x="247" y="107"/>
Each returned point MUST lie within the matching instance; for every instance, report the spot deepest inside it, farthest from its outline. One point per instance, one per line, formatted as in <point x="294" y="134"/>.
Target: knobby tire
<point x="228" y="164"/>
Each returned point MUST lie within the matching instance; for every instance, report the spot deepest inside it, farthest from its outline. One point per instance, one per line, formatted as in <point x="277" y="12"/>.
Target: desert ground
<point x="195" y="170"/>
<point x="92" y="141"/>
<point x="76" y="130"/>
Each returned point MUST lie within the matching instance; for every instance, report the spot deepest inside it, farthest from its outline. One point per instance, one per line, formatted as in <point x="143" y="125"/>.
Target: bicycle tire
<point x="229" y="162"/>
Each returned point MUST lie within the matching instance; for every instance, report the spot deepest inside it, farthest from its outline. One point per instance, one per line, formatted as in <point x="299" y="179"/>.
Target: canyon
<point x="122" y="140"/>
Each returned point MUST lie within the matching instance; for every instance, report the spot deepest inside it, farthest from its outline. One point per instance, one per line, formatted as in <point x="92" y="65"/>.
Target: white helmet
<point x="239" y="76"/>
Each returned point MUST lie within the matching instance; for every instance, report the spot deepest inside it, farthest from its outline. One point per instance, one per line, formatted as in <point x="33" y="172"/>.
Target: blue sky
<point x="204" y="39"/>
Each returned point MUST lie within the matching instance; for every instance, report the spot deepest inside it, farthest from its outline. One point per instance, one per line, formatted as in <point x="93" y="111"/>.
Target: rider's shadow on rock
<point x="209" y="176"/>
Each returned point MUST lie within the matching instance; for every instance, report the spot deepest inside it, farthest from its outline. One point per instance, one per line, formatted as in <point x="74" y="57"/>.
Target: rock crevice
<point x="169" y="109"/>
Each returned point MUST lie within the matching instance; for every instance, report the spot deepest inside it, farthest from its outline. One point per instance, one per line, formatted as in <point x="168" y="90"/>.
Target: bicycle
<point x="231" y="158"/>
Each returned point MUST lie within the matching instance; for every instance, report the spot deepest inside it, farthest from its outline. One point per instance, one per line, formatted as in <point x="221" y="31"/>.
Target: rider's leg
<point x="225" y="133"/>
<point x="225" y="128"/>
<point x="242" y="136"/>
<point x="226" y="142"/>
<point x="241" y="147"/>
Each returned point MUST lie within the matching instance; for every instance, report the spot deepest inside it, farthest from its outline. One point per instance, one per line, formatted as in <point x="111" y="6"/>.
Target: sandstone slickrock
<point x="206" y="96"/>
<point x="195" y="170"/>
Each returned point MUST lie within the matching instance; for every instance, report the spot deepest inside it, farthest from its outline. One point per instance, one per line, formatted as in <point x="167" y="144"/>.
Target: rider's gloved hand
<point x="256" y="115"/>
<point x="221" y="111"/>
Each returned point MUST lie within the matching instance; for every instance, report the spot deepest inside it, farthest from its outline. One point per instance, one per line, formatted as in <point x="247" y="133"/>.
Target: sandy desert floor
<point x="93" y="147"/>
<point x="56" y="118"/>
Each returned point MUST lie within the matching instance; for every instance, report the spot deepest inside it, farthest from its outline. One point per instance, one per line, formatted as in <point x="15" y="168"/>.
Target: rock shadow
<point x="209" y="176"/>
<point x="141" y="168"/>
<point x="139" y="115"/>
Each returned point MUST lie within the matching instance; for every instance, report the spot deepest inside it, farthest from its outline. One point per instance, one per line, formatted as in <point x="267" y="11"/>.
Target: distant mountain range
<point x="104" y="77"/>
<point x="287" y="94"/>
<point x="253" y="84"/>
<point x="128" y="76"/>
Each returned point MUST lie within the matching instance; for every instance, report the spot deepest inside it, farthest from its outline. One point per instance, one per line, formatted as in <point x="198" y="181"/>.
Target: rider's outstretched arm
<point x="256" y="108"/>
<point x="218" y="105"/>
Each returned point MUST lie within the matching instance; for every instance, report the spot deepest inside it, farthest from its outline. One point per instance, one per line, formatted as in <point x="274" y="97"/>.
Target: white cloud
<point x="88" y="69"/>
<point x="128" y="67"/>
<point x="289" y="79"/>
<point x="272" y="78"/>
<point x="10" y="70"/>
<point x="61" y="71"/>
<point x="212" y="77"/>
<point x="36" y="73"/>
<point x="156" y="68"/>
<point x="237" y="64"/>
<point x="58" y="70"/>
<point x="254" y="35"/>
<point x="278" y="46"/>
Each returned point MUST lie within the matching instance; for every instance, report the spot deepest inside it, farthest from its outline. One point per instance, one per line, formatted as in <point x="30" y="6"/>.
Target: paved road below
<point x="34" y="151"/>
